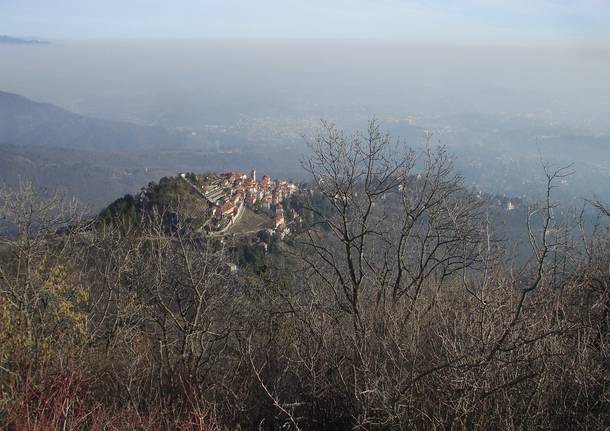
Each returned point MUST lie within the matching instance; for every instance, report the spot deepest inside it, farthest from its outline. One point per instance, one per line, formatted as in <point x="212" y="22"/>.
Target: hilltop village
<point x="231" y="194"/>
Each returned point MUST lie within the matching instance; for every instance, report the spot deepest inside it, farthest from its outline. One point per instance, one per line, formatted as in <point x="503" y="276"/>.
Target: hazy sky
<point x="435" y="21"/>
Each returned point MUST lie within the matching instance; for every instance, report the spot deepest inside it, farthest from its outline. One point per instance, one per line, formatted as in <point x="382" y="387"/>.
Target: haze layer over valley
<point x="236" y="104"/>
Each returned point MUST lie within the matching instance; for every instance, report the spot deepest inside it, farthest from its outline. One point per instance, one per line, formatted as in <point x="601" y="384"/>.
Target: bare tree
<point x="396" y="219"/>
<point x="389" y="228"/>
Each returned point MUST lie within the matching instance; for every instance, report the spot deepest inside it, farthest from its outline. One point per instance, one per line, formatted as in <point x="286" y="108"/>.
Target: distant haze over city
<point x="503" y="84"/>
<point x="500" y="110"/>
<point x="185" y="83"/>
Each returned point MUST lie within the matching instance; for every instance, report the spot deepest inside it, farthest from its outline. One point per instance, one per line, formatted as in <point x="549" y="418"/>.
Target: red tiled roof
<point x="227" y="208"/>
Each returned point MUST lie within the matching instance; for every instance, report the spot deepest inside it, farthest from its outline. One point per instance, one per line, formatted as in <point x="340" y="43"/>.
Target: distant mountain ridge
<point x="26" y="122"/>
<point x="97" y="160"/>
<point x="93" y="159"/>
<point x="4" y="39"/>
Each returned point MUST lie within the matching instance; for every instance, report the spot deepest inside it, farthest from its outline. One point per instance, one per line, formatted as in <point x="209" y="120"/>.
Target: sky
<point x="512" y="22"/>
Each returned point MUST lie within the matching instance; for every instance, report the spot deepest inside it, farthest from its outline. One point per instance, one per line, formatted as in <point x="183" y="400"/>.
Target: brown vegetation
<point x="397" y="309"/>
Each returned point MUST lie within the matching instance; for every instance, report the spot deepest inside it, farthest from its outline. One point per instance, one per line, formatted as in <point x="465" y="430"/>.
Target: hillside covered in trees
<point x="395" y="305"/>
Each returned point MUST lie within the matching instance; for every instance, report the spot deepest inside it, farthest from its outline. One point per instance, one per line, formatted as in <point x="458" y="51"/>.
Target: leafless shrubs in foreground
<point x="403" y="311"/>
